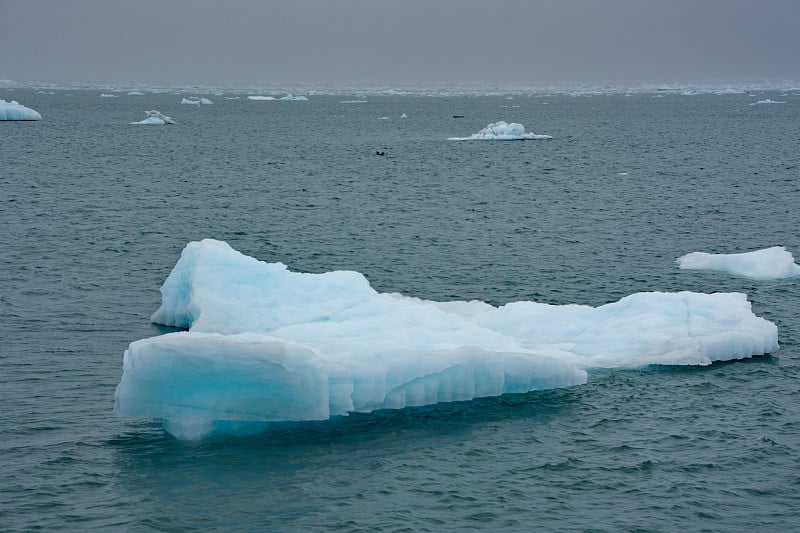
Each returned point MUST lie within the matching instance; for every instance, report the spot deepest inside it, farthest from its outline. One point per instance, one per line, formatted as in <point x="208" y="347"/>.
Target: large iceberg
<point x="265" y="344"/>
<point x="769" y="263"/>
<point x="13" y="110"/>
<point x="501" y="131"/>
<point x="155" y="118"/>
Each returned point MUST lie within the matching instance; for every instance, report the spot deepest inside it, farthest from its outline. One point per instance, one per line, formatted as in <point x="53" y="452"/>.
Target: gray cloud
<point x="502" y="41"/>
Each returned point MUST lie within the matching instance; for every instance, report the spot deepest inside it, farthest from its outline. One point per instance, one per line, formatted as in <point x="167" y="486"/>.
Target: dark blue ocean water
<point x="94" y="213"/>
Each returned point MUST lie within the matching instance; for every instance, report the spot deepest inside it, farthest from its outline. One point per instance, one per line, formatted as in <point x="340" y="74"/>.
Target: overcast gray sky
<point x="400" y="41"/>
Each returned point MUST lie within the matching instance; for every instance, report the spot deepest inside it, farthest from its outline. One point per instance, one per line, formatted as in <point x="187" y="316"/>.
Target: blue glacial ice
<point x="501" y="131"/>
<point x="769" y="263"/>
<point x="155" y="118"/>
<point x="265" y="344"/>
<point x="13" y="110"/>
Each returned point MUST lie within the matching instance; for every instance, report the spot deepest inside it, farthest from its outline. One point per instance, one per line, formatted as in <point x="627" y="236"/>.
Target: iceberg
<point x="13" y="110"/>
<point x="265" y="344"/>
<point x="155" y="118"/>
<point x="197" y="102"/>
<point x="501" y="131"/>
<point x="769" y="263"/>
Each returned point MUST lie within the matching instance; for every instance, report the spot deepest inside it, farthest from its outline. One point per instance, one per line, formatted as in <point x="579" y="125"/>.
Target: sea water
<point x="94" y="213"/>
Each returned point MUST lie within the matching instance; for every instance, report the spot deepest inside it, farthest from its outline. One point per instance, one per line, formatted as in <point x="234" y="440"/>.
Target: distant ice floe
<point x="291" y="98"/>
<point x="265" y="344"/>
<point x="155" y="118"/>
<point x="501" y="131"/>
<point x="770" y="263"/>
<point x="353" y="102"/>
<point x="196" y="101"/>
<point x="136" y="93"/>
<point x="403" y="116"/>
<point x="260" y="98"/>
<point x="104" y="95"/>
<point x="767" y="101"/>
<point x="13" y="110"/>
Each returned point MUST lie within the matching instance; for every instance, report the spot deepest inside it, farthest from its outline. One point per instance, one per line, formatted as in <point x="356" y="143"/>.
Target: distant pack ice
<point x="501" y="131"/>
<point x="770" y="263"/>
<point x="265" y="344"/>
<point x="13" y="110"/>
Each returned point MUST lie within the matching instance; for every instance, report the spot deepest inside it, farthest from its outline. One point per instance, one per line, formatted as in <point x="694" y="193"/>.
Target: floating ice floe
<point x="104" y="95"/>
<point x="196" y="101"/>
<point x="13" y="110"/>
<point x="403" y="116"/>
<point x="501" y="131"/>
<point x="265" y="344"/>
<point x="767" y="101"/>
<point x="135" y="93"/>
<point x="155" y="118"/>
<point x="353" y="102"/>
<point x="770" y="263"/>
<point x="259" y="98"/>
<point x="291" y="98"/>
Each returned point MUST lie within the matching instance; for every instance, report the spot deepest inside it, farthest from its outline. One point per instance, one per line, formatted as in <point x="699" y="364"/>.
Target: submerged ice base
<point x="266" y="344"/>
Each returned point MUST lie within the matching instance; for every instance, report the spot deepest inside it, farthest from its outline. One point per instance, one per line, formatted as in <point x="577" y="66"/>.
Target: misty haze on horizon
<point x="401" y="42"/>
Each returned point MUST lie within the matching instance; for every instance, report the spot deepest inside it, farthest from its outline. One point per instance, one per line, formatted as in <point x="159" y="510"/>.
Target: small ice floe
<point x="291" y="98"/>
<point x="353" y="102"/>
<point x="196" y="101"/>
<point x="155" y="118"/>
<point x="501" y="131"/>
<point x="13" y="110"/>
<point x="622" y="173"/>
<point x="769" y="263"/>
<point x="403" y="116"/>
<point x="260" y="98"/>
<point x="105" y="95"/>
<point x="383" y="118"/>
<point x="767" y="101"/>
<point x="135" y="93"/>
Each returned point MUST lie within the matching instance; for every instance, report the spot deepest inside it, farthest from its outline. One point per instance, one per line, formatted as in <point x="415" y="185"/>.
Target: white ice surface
<point x="155" y="118"/>
<point x="196" y="101"/>
<point x="267" y="344"/>
<point x="261" y="98"/>
<point x="291" y="98"/>
<point x="501" y="131"/>
<point x="770" y="263"/>
<point x="767" y="101"/>
<point x="13" y="110"/>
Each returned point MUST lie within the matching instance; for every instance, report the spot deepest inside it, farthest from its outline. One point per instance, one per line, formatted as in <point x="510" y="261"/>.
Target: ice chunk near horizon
<point x="266" y="344"/>
<point x="290" y="98"/>
<point x="104" y="95"/>
<point x="13" y="110"/>
<point x="260" y="98"/>
<point x="403" y="116"/>
<point x="197" y="102"/>
<point x="770" y="263"/>
<point x="767" y="101"/>
<point x="155" y="118"/>
<point x="135" y="93"/>
<point x="501" y="131"/>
